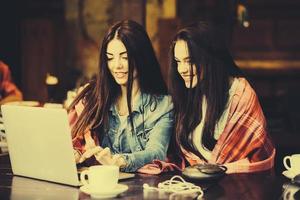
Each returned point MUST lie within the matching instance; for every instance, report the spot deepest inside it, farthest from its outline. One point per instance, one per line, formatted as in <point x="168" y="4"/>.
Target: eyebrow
<point x="122" y="53"/>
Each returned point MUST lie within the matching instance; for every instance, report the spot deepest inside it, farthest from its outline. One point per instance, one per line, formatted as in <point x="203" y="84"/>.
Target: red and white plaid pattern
<point x="244" y="145"/>
<point x="7" y="87"/>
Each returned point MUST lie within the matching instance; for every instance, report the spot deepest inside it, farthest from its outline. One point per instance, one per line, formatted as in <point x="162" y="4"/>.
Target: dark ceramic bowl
<point x="204" y="172"/>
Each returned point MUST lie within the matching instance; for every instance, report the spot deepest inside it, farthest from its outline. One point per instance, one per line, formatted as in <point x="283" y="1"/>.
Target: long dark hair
<point x="215" y="66"/>
<point x="100" y="94"/>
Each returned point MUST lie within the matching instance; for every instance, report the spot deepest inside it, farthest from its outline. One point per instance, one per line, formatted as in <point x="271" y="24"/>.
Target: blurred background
<point x="58" y="41"/>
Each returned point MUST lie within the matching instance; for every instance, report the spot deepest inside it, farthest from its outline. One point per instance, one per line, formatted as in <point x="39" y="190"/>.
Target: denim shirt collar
<point x="139" y="101"/>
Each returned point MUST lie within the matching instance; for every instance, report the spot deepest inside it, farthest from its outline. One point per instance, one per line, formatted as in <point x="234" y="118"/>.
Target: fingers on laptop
<point x="104" y="156"/>
<point x="89" y="153"/>
<point x="118" y="160"/>
<point x="103" y="153"/>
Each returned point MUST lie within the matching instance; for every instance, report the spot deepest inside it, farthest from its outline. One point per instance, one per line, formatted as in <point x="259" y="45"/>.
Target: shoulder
<point x="245" y="101"/>
<point x="164" y="99"/>
<point x="160" y="103"/>
<point x="4" y="68"/>
<point x="244" y="90"/>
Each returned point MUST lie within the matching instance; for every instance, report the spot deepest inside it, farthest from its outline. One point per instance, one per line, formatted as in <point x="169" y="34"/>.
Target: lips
<point x="187" y="77"/>
<point x="120" y="74"/>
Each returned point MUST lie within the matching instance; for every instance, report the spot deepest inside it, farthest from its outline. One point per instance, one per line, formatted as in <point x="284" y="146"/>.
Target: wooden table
<point x="264" y="185"/>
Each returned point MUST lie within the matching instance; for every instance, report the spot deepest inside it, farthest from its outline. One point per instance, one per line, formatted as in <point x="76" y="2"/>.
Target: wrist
<point x="121" y="162"/>
<point x="77" y="155"/>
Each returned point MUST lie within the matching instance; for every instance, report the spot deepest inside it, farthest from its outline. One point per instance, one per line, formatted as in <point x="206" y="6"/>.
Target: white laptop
<point x="40" y="145"/>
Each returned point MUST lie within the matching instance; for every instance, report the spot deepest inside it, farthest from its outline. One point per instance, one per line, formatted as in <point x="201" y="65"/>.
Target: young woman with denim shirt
<point x="125" y="116"/>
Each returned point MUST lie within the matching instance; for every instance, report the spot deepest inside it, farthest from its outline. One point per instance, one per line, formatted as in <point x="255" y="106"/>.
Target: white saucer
<point x="104" y="194"/>
<point x="288" y="174"/>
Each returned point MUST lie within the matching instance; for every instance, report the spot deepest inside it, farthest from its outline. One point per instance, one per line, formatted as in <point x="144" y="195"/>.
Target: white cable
<point x="176" y="187"/>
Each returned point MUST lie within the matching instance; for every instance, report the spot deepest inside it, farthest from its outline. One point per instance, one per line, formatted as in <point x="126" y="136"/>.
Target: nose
<point x="182" y="68"/>
<point x="117" y="64"/>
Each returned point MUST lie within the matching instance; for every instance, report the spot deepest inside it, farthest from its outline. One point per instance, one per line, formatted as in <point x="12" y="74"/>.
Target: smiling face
<point x="185" y="68"/>
<point x="117" y="61"/>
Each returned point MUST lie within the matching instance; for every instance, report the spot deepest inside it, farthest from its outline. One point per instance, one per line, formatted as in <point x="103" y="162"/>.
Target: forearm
<point x="136" y="160"/>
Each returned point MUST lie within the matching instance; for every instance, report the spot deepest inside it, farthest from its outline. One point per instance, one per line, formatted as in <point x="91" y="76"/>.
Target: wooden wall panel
<point x="287" y="36"/>
<point x="257" y="37"/>
<point x="167" y="29"/>
<point x="37" y="47"/>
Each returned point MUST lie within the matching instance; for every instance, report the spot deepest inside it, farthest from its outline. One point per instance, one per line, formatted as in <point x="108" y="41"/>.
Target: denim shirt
<point x="153" y="126"/>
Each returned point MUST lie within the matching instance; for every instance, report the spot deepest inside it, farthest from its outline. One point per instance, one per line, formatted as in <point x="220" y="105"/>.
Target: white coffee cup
<point x="294" y="163"/>
<point x="100" y="177"/>
<point x="289" y="191"/>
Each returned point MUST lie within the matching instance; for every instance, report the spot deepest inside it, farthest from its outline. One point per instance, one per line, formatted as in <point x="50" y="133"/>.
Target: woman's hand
<point x="89" y="153"/>
<point x="103" y="156"/>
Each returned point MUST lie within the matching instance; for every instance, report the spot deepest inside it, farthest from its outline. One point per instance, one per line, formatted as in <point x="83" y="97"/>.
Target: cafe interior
<point x="52" y="48"/>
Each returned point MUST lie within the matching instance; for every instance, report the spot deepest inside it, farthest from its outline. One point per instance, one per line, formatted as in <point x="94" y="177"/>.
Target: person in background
<point x="8" y="90"/>
<point x="125" y="116"/>
<point x="218" y="118"/>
